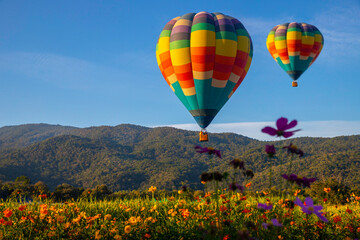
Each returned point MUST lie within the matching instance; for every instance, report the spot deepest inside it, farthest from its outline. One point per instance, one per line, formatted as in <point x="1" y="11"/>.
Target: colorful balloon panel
<point x="295" y="46"/>
<point x="204" y="57"/>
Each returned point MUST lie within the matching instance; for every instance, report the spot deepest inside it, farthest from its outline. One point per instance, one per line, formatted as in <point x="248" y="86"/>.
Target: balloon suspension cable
<point x="203" y="136"/>
<point x="294" y="83"/>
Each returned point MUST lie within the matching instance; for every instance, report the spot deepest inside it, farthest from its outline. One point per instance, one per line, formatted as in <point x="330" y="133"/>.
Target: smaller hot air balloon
<point x="295" y="46"/>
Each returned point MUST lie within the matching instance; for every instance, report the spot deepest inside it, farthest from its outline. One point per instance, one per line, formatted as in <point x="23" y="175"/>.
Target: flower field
<point x="229" y="216"/>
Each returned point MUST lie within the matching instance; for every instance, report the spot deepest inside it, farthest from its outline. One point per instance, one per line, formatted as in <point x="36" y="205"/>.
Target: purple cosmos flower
<point x="282" y="125"/>
<point x="237" y="163"/>
<point x="208" y="150"/>
<point x="309" y="208"/>
<point x="304" y="181"/>
<point x="235" y="186"/>
<point x="274" y="222"/>
<point x="265" y="206"/>
<point x="294" y="150"/>
<point x="270" y="150"/>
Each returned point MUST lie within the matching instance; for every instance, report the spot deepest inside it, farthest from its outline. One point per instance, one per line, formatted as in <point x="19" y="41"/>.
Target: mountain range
<point x="128" y="157"/>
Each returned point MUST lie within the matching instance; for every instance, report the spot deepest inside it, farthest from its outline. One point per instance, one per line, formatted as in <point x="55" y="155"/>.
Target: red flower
<point x="7" y="213"/>
<point x="22" y="207"/>
<point x="282" y="125"/>
<point x="246" y="211"/>
<point x="226" y="237"/>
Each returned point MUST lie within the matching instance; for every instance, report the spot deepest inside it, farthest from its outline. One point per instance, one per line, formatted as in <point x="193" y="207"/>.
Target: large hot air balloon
<point x="204" y="57"/>
<point x="295" y="46"/>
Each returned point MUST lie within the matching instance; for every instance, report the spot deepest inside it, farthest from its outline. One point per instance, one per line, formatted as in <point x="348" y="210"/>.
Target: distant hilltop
<point x="127" y="156"/>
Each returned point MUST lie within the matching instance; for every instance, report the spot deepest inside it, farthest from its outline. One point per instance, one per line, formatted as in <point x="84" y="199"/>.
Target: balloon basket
<point x="294" y="84"/>
<point x="203" y="136"/>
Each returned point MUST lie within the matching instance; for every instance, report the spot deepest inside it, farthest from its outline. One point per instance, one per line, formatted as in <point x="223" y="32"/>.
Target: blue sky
<point x="90" y="63"/>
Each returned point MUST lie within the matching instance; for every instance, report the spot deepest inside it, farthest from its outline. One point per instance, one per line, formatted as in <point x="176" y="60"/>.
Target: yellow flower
<point x="107" y="217"/>
<point x="152" y="189"/>
<point x="180" y="192"/>
<point x="127" y="229"/>
<point x="142" y="209"/>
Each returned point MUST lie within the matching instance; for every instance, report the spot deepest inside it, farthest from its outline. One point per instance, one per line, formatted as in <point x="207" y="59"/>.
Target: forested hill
<point x="132" y="157"/>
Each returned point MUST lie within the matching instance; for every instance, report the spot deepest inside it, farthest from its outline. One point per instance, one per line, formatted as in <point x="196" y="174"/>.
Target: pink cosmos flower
<point x="282" y="127"/>
<point x="208" y="150"/>
<point x="309" y="208"/>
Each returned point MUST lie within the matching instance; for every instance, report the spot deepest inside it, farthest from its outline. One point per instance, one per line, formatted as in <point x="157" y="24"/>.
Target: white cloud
<point x="308" y="129"/>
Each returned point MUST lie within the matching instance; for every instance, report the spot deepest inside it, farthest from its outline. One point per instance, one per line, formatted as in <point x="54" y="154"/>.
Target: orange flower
<point x="320" y="225"/>
<point x="327" y="190"/>
<point x="184" y="212"/>
<point x="127" y="229"/>
<point x="297" y="192"/>
<point x="152" y="189"/>
<point x="147" y="235"/>
<point x="248" y="185"/>
<point x="98" y="235"/>
<point x="7" y="213"/>
<point x="337" y="219"/>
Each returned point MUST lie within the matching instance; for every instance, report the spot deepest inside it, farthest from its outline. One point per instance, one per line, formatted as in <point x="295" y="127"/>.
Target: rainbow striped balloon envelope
<point x="295" y="46"/>
<point x="204" y="57"/>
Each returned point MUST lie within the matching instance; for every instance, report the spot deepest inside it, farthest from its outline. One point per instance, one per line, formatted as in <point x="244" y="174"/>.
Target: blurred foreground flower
<point x="299" y="180"/>
<point x="282" y="127"/>
<point x="294" y="150"/>
<point x="237" y="163"/>
<point x="235" y="186"/>
<point x="208" y="150"/>
<point x="270" y="150"/>
<point x="310" y="208"/>
<point x="274" y="222"/>
<point x="265" y="206"/>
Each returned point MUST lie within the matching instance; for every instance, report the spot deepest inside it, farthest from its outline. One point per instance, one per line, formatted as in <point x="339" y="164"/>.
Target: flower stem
<point x="270" y="178"/>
